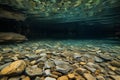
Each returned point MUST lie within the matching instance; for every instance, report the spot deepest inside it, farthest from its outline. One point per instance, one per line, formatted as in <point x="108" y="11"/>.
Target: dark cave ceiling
<point x="91" y="11"/>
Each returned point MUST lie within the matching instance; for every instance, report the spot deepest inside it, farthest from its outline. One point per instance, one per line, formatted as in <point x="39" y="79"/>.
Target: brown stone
<point x="115" y="77"/>
<point x="115" y="63"/>
<point x="71" y="76"/>
<point x="82" y="63"/>
<point x="89" y="76"/>
<point x="4" y="78"/>
<point x="16" y="67"/>
<point x="56" y="73"/>
<point x="26" y="78"/>
<point x="63" y="78"/>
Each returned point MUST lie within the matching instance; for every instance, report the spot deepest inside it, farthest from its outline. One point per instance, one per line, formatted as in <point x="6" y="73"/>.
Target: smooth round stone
<point x="98" y="60"/>
<point x="49" y="78"/>
<point x="16" y="67"/>
<point x="63" y="78"/>
<point x="33" y="70"/>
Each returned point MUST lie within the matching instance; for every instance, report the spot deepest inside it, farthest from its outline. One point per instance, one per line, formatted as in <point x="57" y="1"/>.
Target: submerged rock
<point x="63" y="67"/>
<point x="10" y="36"/>
<point x="16" y="67"/>
<point x="33" y="70"/>
<point x="12" y="15"/>
<point x="49" y="78"/>
<point x="89" y="76"/>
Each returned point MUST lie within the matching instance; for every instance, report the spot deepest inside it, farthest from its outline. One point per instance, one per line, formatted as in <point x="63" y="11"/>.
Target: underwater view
<point x="59" y="40"/>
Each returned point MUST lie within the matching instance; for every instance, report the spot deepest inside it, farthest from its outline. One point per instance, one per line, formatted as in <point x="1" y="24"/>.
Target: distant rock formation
<point x="11" y="37"/>
<point x="11" y="15"/>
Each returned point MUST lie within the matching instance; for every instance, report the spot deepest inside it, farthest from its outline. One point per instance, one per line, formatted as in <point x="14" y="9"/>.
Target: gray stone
<point x="33" y="70"/>
<point x="117" y="71"/>
<point x="49" y="78"/>
<point x="47" y="72"/>
<point x="49" y="64"/>
<point x="92" y="69"/>
<point x="98" y="60"/>
<point x="89" y="76"/>
<point x="100" y="78"/>
<point x="76" y="55"/>
<point x="37" y="78"/>
<point x="63" y="67"/>
<point x="106" y="57"/>
<point x="32" y="56"/>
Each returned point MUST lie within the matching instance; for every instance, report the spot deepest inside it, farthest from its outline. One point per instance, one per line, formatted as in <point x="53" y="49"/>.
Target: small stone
<point x="39" y="78"/>
<point x="49" y="64"/>
<point x="7" y="49"/>
<point x="112" y="68"/>
<point x="47" y="72"/>
<point x="33" y="62"/>
<point x="80" y="71"/>
<point x="33" y="71"/>
<point x="115" y="77"/>
<point x="56" y="73"/>
<point x="82" y="63"/>
<point x="39" y="51"/>
<point x="71" y="76"/>
<point x="100" y="78"/>
<point x="16" y="67"/>
<point x="115" y="63"/>
<point x="54" y="76"/>
<point x="26" y="78"/>
<point x="106" y="57"/>
<point x="63" y="78"/>
<point x="117" y="71"/>
<point x="89" y="76"/>
<point x="49" y="78"/>
<point x="32" y="56"/>
<point x="63" y="67"/>
<point x="4" y="78"/>
<point x="15" y="78"/>
<point x="76" y="55"/>
<point x="98" y="60"/>
<point x="91" y="69"/>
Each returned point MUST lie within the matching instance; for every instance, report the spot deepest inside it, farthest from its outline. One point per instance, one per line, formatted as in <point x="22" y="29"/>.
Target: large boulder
<point x="10" y="36"/>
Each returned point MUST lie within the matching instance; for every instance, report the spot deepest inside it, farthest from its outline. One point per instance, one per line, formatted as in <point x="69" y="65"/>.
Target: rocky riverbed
<point x="60" y="60"/>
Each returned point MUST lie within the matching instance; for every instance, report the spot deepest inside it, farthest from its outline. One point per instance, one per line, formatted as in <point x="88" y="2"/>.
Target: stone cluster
<point x="46" y="61"/>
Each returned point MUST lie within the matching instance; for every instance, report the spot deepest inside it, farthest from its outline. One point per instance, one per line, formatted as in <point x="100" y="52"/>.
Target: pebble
<point x="100" y="78"/>
<point x="115" y="64"/>
<point x="89" y="76"/>
<point x="80" y="71"/>
<point x="63" y="78"/>
<point x="15" y="78"/>
<point x="115" y="77"/>
<point x="92" y="69"/>
<point x="26" y="78"/>
<point x="33" y="70"/>
<point x="106" y="57"/>
<point x="49" y="78"/>
<point x="76" y="55"/>
<point x="47" y="72"/>
<point x="16" y="67"/>
<point x="63" y="67"/>
<point x="32" y="56"/>
<point x="49" y="64"/>
<point x="82" y="63"/>
<point x="98" y="60"/>
<point x="71" y="76"/>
